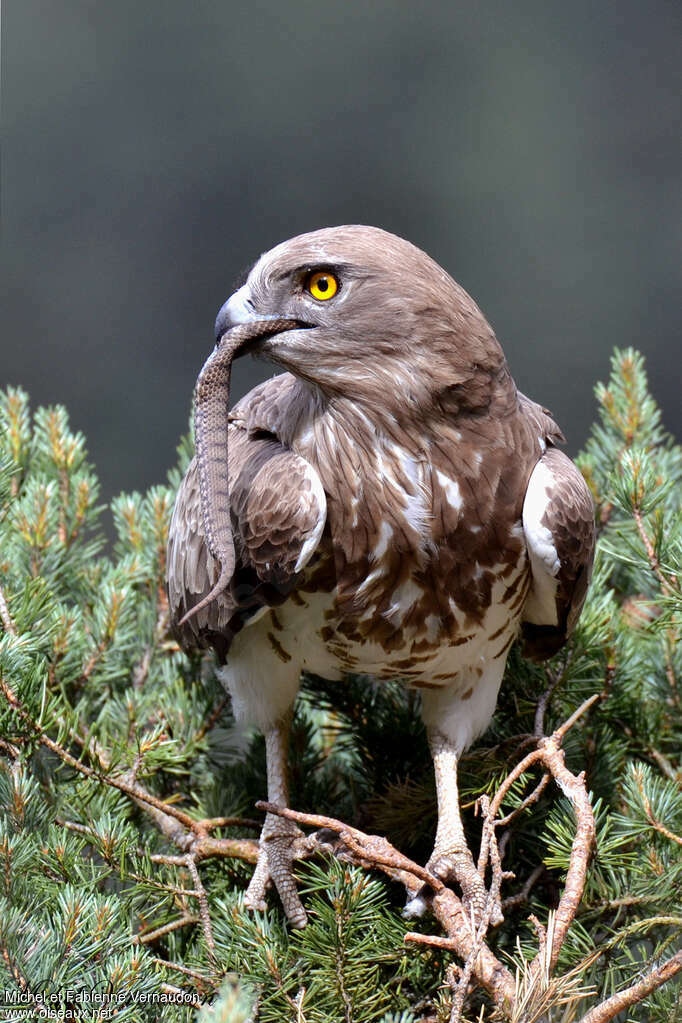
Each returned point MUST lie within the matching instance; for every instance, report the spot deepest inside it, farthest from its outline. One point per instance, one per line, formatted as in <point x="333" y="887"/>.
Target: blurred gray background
<point x="153" y="150"/>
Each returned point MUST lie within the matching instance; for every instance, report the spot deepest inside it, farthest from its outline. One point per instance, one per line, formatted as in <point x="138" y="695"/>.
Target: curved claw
<point x="259" y="884"/>
<point x="281" y="844"/>
<point x="451" y="859"/>
<point x="455" y="866"/>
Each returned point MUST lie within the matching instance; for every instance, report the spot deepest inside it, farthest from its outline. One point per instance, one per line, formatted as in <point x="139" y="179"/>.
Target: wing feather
<point x="558" y="523"/>
<point x="278" y="511"/>
<point x="548" y="431"/>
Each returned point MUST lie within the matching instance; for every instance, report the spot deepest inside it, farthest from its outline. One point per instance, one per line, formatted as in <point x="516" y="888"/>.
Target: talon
<point x="260" y="882"/>
<point x="455" y="866"/>
<point x="460" y="868"/>
<point x="281" y="843"/>
<point x="451" y="859"/>
<point x="254" y="904"/>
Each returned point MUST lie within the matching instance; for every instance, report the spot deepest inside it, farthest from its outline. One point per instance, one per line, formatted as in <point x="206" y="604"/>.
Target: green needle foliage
<point x="114" y="744"/>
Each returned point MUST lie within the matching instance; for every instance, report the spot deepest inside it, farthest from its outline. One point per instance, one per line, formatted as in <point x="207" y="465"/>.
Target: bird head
<point x="380" y="321"/>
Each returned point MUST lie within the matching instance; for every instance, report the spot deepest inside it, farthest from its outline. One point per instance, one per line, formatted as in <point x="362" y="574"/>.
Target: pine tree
<point x="127" y="822"/>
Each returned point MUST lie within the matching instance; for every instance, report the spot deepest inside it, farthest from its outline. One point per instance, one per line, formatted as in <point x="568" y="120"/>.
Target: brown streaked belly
<point x="425" y="650"/>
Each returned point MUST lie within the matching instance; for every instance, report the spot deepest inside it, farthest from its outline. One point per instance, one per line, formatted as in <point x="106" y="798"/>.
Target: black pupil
<point x="323" y="283"/>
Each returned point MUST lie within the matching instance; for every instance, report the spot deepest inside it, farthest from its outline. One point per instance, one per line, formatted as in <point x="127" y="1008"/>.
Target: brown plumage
<point x="397" y="509"/>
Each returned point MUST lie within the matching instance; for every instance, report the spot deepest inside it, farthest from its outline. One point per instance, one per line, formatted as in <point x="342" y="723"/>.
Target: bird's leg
<point x="279" y="839"/>
<point x="451" y="857"/>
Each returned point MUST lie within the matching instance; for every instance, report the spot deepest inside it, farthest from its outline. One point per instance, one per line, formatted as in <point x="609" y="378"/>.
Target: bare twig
<point x="148" y="937"/>
<point x="622" y="1000"/>
<point x="528" y="801"/>
<point x="531" y="758"/>
<point x="543" y="703"/>
<point x="372" y="848"/>
<point x="374" y="851"/>
<point x="194" y="974"/>
<point x="434" y="940"/>
<point x="518" y="900"/>
<point x="492" y="912"/>
<point x="80" y="829"/>
<point x="581" y="851"/>
<point x="578" y="713"/>
<point x="203" y="904"/>
<point x="550" y="755"/>
<point x="168" y="859"/>
<point x="535" y="756"/>
<point x="211" y="823"/>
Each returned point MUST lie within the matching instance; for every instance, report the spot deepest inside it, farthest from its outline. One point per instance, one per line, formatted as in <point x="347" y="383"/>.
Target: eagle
<point x="389" y="506"/>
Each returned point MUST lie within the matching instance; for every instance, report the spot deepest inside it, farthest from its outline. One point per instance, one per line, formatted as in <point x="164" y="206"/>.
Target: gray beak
<point x="238" y="309"/>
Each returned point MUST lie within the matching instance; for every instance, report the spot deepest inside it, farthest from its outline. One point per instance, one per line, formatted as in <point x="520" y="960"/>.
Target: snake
<point x="211" y="406"/>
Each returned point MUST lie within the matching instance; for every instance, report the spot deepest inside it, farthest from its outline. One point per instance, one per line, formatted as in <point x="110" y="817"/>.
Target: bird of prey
<point x="391" y="506"/>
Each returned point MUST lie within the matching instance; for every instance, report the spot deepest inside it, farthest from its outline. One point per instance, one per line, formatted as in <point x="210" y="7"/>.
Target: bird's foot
<point x="456" y="865"/>
<point x="281" y="844"/>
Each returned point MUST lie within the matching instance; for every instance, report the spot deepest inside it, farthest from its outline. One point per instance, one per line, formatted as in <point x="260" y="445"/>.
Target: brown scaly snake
<point x="211" y="405"/>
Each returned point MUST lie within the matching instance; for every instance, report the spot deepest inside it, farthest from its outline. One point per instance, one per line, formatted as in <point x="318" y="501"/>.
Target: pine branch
<point x="464" y="938"/>
<point x="204" y="911"/>
<point x="374" y="851"/>
<point x="654" y="563"/>
<point x="89" y="678"/>
<point x="650" y="814"/>
<point x="184" y="831"/>
<point x="152" y="936"/>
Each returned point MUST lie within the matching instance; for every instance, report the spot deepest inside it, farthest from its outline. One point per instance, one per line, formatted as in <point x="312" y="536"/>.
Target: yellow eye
<point x="322" y="285"/>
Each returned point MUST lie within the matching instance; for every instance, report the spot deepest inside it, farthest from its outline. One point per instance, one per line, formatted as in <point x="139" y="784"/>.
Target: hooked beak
<point x="238" y="309"/>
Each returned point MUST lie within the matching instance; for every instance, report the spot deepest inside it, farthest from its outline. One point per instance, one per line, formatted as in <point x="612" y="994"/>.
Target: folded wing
<point x="278" y="512"/>
<point x="558" y="522"/>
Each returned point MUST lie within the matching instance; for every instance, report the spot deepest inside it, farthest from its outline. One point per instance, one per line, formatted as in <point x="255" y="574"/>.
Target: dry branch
<point x="622" y="1000"/>
<point x="184" y="831"/>
<point x="464" y="937"/>
<point x="149" y="937"/>
<point x="581" y="851"/>
<point x="374" y="851"/>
